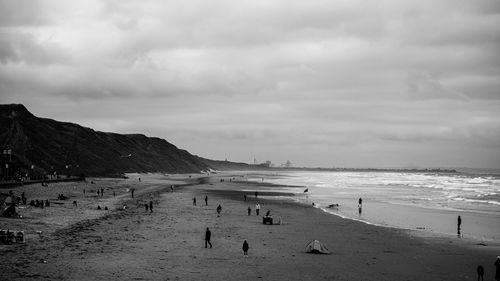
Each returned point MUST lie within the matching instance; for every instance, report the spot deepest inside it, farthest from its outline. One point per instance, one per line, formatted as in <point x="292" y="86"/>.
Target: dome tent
<point x="315" y="247"/>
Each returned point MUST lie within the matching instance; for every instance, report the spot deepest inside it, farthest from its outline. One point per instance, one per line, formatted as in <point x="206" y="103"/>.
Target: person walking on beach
<point x="208" y="235"/>
<point x="249" y="210"/>
<point x="206" y="200"/>
<point x="257" y="209"/>
<point x="194" y="201"/>
<point x="132" y="190"/>
<point x="219" y="209"/>
<point x="256" y="193"/>
<point x="480" y="273"/>
<point x="245" y="197"/>
<point x="497" y="272"/>
<point x="146" y="206"/>
<point x="151" y="206"/>
<point x="102" y="192"/>
<point x="459" y="224"/>
<point x="245" y="248"/>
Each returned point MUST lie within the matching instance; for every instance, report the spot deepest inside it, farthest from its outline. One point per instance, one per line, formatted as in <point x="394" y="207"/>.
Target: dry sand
<point x="81" y="243"/>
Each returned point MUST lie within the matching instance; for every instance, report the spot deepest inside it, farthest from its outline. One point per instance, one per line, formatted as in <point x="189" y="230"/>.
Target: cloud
<point x="315" y="82"/>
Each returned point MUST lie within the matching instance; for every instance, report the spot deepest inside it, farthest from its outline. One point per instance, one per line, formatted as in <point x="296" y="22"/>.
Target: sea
<point x="427" y="202"/>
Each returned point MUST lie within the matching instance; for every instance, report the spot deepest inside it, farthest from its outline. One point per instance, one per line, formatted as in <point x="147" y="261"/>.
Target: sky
<point x="373" y="83"/>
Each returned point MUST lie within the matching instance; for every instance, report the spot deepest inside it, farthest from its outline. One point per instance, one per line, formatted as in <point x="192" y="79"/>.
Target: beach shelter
<point x="315" y="247"/>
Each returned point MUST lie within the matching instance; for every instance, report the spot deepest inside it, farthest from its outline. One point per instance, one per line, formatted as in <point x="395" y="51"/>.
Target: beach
<point x="83" y="243"/>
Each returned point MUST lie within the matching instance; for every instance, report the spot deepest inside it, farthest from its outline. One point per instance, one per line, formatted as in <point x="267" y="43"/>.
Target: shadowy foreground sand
<point x="83" y="243"/>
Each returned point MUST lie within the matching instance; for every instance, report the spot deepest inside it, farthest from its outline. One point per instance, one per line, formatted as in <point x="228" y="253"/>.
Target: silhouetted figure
<point x="360" y="202"/>
<point x="459" y="224"/>
<point x="245" y="248"/>
<point x="208" y="235"/>
<point x="497" y="272"/>
<point x="256" y="193"/>
<point x="151" y="206"/>
<point x="245" y="197"/>
<point x="84" y="192"/>
<point x="132" y="193"/>
<point x="206" y="200"/>
<point x="219" y="209"/>
<point x="98" y="207"/>
<point x="114" y="194"/>
<point x="102" y="192"/>
<point x="139" y="179"/>
<point x="75" y="203"/>
<point x="249" y="210"/>
<point x="257" y="209"/>
<point x="194" y="201"/>
<point x="146" y="206"/>
<point x="480" y="273"/>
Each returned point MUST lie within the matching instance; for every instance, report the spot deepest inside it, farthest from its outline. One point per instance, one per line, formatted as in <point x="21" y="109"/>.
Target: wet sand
<point x="168" y="244"/>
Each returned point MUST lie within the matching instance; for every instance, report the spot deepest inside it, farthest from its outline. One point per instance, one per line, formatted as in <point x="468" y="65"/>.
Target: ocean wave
<point x="477" y="201"/>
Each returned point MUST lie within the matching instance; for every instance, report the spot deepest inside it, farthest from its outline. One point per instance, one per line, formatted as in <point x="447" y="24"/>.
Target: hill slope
<point x="52" y="145"/>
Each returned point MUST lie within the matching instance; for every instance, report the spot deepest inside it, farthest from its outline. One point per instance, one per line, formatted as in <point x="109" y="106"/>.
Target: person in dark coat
<point x="245" y="248"/>
<point x="206" y="200"/>
<point x="459" y="224"/>
<point x="194" y="201"/>
<point x="249" y="210"/>
<point x="480" y="273"/>
<point x="497" y="272"/>
<point x="208" y="235"/>
<point x="151" y="206"/>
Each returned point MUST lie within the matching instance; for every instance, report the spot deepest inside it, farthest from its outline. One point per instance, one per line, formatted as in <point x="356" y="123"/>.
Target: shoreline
<point x="381" y="208"/>
<point x="468" y="240"/>
<point x="168" y="243"/>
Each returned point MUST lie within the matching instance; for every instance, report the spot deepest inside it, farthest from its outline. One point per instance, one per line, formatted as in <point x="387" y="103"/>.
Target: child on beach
<point x="257" y="209"/>
<point x="219" y="209"/>
<point x="245" y="248"/>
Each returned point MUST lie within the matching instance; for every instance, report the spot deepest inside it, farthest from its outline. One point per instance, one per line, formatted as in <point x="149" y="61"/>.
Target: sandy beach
<point x="83" y="243"/>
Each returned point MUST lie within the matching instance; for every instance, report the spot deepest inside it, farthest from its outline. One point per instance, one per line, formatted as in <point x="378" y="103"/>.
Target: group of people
<point x="208" y="233"/>
<point x="206" y="201"/>
<point x="480" y="271"/>
<point x="149" y="207"/>
<point x="208" y="236"/>
<point x="257" y="209"/>
<point x="40" y="203"/>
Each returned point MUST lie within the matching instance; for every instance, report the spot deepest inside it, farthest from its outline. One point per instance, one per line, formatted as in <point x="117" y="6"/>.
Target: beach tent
<point x="315" y="247"/>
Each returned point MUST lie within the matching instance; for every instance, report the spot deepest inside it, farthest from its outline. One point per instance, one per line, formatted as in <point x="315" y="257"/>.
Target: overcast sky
<point x="320" y="83"/>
